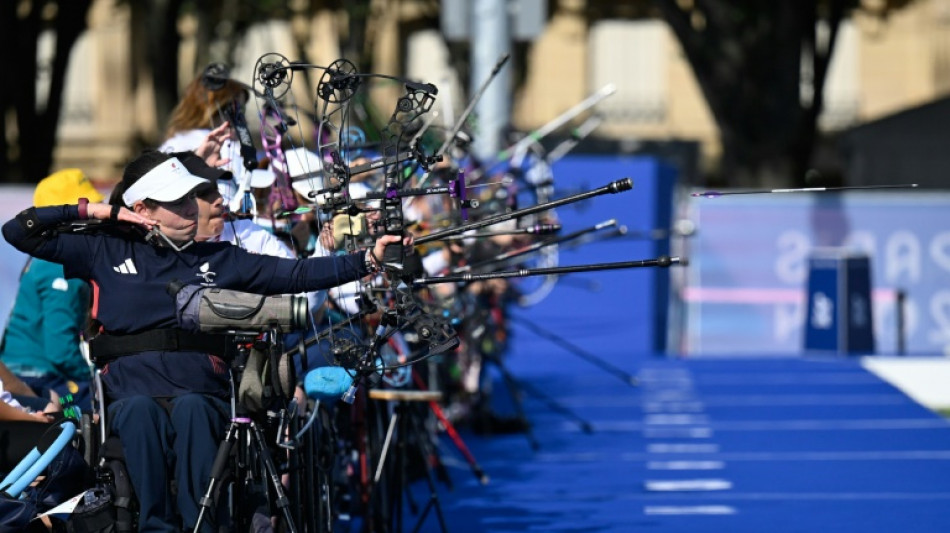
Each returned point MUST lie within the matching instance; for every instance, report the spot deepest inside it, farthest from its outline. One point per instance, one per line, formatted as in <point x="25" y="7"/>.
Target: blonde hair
<point x="199" y="106"/>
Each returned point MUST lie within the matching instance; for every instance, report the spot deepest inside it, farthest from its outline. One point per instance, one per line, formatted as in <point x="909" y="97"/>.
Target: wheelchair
<point x="270" y="464"/>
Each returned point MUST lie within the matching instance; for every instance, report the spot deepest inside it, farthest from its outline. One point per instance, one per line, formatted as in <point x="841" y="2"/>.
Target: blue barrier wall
<point x="591" y="309"/>
<point x="745" y="292"/>
<point x="13" y="199"/>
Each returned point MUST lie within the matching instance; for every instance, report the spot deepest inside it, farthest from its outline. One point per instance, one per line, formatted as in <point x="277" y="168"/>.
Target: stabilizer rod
<point x="533" y="247"/>
<point x="662" y="261"/>
<point x="620" y="185"/>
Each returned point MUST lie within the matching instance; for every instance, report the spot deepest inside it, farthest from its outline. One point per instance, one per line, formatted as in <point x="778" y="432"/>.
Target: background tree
<point x="155" y="43"/>
<point x="26" y="150"/>
<point x="762" y="68"/>
<point x="220" y="28"/>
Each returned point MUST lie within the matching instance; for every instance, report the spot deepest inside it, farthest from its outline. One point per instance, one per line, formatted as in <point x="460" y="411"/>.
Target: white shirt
<point x="8" y="399"/>
<point x="255" y="238"/>
<point x="346" y="296"/>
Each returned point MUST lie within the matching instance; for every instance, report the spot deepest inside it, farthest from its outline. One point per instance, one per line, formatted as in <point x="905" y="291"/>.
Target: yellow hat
<point x="65" y="187"/>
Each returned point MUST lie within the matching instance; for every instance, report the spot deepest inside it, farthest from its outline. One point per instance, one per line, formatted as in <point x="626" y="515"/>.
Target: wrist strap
<point x="372" y="262"/>
<point x="114" y="214"/>
<point x="83" y="209"/>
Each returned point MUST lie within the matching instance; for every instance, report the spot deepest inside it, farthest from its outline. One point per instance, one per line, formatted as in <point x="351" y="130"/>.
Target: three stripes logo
<point x="127" y="267"/>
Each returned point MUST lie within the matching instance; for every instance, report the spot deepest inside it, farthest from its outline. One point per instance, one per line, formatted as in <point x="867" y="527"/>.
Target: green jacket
<point x="43" y="333"/>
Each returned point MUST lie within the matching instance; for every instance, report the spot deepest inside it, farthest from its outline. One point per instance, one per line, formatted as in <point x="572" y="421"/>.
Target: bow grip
<point x="393" y="254"/>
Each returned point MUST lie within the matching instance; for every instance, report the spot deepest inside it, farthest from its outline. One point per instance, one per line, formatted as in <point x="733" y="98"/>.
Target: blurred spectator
<point x="42" y="342"/>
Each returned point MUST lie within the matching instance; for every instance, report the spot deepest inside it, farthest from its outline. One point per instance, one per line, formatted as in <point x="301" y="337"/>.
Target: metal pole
<point x="491" y="39"/>
<point x="901" y="339"/>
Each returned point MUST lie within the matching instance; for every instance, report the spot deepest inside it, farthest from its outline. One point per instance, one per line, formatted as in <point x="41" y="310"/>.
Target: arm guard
<point x="33" y="231"/>
<point x="34" y="227"/>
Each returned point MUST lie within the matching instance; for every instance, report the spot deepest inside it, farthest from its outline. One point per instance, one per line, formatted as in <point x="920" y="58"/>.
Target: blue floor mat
<point x="724" y="445"/>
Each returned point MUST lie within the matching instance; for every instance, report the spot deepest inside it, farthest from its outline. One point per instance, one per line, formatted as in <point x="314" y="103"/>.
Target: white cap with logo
<point x="167" y="182"/>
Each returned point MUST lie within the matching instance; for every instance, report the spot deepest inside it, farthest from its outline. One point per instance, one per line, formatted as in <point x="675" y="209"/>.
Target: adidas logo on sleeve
<point x="127" y="267"/>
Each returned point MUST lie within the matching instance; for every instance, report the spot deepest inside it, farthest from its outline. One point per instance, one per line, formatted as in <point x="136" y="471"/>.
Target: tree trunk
<point x="36" y="128"/>
<point x="70" y="23"/>
<point x="161" y="53"/>
<point x="28" y="30"/>
<point x="8" y="41"/>
<point x="747" y="58"/>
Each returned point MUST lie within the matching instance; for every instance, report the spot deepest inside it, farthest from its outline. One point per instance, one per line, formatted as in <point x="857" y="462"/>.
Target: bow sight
<point x="401" y="155"/>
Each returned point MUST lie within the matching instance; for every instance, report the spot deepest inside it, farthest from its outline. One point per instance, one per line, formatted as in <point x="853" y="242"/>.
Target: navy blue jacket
<point x="130" y="278"/>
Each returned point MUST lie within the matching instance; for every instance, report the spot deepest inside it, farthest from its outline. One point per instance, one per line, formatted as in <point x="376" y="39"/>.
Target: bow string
<point x="400" y="309"/>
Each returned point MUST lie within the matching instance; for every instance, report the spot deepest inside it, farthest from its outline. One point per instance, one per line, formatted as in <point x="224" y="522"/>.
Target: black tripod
<point x="244" y="438"/>
<point x="516" y="387"/>
<point x="410" y="436"/>
<point x="245" y="442"/>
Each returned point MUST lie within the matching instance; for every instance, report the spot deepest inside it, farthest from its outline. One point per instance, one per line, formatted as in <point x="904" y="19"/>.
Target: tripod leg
<point x="294" y="468"/>
<point x="311" y="487"/>
<point x="404" y="472"/>
<point x="626" y="377"/>
<point x="402" y="482"/>
<point x="425" y="451"/>
<point x="585" y="426"/>
<point x="328" y="493"/>
<point x="217" y="471"/>
<point x="515" y="391"/>
<point x="370" y="422"/>
<point x="317" y="475"/>
<point x="453" y="434"/>
<point x="283" y="503"/>
<point x="395" y="418"/>
<point x="385" y="450"/>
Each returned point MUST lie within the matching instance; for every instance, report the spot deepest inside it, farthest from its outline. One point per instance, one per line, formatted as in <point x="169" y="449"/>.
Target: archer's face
<point x="178" y="220"/>
<point x="210" y="212"/>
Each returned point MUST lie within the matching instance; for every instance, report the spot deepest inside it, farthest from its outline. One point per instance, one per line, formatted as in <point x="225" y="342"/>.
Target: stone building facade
<point x="879" y="68"/>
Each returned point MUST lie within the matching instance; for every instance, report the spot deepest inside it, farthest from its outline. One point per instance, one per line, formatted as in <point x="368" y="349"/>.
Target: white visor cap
<point x="359" y="191"/>
<point x="262" y="178"/>
<point x="167" y="182"/>
<point x="305" y="169"/>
